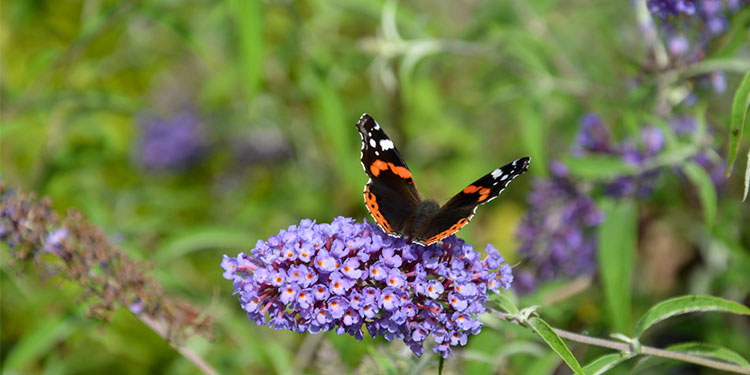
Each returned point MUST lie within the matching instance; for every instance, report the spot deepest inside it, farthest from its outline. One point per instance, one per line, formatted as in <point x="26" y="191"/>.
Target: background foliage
<point x="186" y="130"/>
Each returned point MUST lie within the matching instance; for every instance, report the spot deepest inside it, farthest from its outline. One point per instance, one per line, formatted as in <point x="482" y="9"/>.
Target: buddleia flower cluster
<point x="594" y="139"/>
<point x="689" y="27"/>
<point x="558" y="233"/>
<point x="351" y="277"/>
<point x="71" y="248"/>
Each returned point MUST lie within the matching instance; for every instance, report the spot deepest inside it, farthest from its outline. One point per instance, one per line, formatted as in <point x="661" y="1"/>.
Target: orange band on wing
<point x="483" y="194"/>
<point x="400" y="171"/>
<point x="373" y="207"/>
<point x="453" y="229"/>
<point x="378" y="166"/>
<point x="471" y="189"/>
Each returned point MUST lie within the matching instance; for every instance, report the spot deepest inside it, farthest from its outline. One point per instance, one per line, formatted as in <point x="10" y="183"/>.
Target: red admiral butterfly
<point x="394" y="202"/>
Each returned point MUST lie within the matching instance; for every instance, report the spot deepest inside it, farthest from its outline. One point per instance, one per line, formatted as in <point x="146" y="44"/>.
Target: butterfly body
<point x="394" y="202"/>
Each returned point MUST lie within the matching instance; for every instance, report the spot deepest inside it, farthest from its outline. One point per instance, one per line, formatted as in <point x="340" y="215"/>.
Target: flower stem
<point x="186" y="352"/>
<point x="627" y="349"/>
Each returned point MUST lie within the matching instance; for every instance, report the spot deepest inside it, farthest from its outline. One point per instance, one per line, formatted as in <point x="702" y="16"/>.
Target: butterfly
<point x="394" y="202"/>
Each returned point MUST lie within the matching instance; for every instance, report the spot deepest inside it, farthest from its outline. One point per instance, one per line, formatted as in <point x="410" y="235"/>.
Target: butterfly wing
<point x="390" y="195"/>
<point x="459" y="210"/>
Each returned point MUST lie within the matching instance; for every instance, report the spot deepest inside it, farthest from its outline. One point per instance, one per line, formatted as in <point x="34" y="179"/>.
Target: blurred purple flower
<point x="593" y="136"/>
<point x="678" y="45"/>
<point x="398" y="293"/>
<point x="666" y="8"/>
<point x="173" y="143"/>
<point x="718" y="81"/>
<point x="686" y="126"/>
<point x="688" y="27"/>
<point x="683" y="125"/>
<point x="557" y="233"/>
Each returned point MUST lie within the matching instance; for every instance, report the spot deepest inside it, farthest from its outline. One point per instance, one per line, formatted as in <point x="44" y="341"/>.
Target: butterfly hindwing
<point x="390" y="195"/>
<point x="459" y="210"/>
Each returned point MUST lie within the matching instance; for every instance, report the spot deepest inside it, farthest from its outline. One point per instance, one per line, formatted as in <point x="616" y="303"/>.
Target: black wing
<point x="390" y="195"/>
<point x="459" y="210"/>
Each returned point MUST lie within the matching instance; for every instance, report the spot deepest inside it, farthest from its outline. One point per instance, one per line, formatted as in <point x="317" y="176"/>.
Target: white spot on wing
<point x="497" y="173"/>
<point x="505" y="177"/>
<point x="372" y="142"/>
<point x="386" y="144"/>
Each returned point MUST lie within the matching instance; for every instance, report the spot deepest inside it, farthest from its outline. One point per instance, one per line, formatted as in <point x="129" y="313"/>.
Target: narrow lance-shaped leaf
<point x="739" y="114"/>
<point x="555" y="342"/>
<point x="338" y="131"/>
<point x="686" y="304"/>
<point x="710" y="351"/>
<point x="617" y="242"/>
<point x="604" y="363"/>
<point x="747" y="177"/>
<point x="200" y="238"/>
<point x="40" y="341"/>
<point x="385" y="364"/>
<point x="598" y="167"/>
<point x="649" y="364"/>
<point x="248" y="18"/>
<point x="706" y="190"/>
<point x="533" y="134"/>
<point x="505" y="303"/>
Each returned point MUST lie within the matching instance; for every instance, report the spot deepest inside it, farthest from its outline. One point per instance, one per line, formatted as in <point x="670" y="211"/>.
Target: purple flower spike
<point x="345" y="276"/>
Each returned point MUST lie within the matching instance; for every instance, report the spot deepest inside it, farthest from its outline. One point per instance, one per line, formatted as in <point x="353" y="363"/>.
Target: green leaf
<point x="505" y="303"/>
<point x="686" y="304"/>
<point x="617" y="241"/>
<point x="383" y="361"/>
<point x="650" y="364"/>
<point x="739" y="114"/>
<point x="248" y="18"/>
<point x="545" y="364"/>
<point x="747" y="177"/>
<point x="337" y="129"/>
<point x="706" y="190"/>
<point x="40" y="341"/>
<point x="735" y="38"/>
<point x="710" y="351"/>
<point x="732" y="64"/>
<point x="199" y="239"/>
<point x="534" y="134"/>
<point x="598" y="167"/>
<point x="605" y="363"/>
<point x="280" y="358"/>
<point x="554" y="341"/>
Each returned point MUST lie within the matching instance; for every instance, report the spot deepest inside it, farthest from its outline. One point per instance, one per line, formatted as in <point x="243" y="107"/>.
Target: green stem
<point x="645" y="350"/>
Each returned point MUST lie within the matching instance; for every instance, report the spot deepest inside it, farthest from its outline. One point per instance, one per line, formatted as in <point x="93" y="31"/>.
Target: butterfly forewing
<point x="459" y="210"/>
<point x="391" y="195"/>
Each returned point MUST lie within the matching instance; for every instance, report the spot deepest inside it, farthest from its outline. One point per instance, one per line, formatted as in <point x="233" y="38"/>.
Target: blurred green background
<point x="263" y="97"/>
